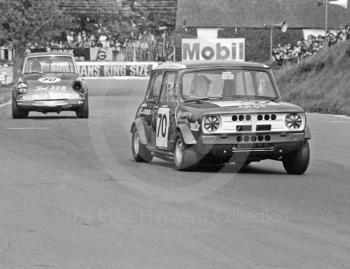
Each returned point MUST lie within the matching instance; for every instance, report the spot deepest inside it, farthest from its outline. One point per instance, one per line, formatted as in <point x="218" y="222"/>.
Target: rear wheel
<point x="297" y="162"/>
<point x="184" y="157"/>
<point x="18" y="113"/>
<point x="139" y="151"/>
<point x="83" y="111"/>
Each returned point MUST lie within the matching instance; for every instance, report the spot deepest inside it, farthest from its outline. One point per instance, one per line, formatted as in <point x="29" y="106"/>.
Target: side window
<point x="150" y="85"/>
<point x="169" y="87"/>
<point x="154" y="86"/>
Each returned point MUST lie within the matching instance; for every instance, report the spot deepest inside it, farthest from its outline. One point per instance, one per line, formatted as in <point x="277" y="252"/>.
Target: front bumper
<point x="51" y="105"/>
<point x="261" y="145"/>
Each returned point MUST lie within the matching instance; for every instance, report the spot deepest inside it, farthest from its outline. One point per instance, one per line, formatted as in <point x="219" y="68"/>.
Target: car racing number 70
<point x="162" y="130"/>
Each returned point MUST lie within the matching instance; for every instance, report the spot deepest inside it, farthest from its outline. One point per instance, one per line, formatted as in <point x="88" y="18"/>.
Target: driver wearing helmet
<point x="200" y="86"/>
<point x="36" y="66"/>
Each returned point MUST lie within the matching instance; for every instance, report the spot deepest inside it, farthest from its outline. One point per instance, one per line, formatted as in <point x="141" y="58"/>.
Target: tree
<point x="24" y="21"/>
<point x="111" y="16"/>
<point x="156" y="14"/>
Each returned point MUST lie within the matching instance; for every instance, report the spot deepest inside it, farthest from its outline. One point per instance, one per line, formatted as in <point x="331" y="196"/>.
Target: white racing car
<point x="49" y="82"/>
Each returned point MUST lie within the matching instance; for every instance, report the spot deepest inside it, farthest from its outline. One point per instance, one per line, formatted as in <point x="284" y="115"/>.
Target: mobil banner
<point x="115" y="69"/>
<point x="213" y="49"/>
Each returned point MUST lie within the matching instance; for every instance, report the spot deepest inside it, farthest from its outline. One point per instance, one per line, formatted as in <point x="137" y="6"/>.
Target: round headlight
<point x="211" y="123"/>
<point x="22" y="87"/>
<point x="294" y="121"/>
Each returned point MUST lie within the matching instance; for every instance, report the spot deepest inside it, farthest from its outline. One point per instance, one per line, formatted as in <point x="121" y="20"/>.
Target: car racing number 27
<point x="162" y="131"/>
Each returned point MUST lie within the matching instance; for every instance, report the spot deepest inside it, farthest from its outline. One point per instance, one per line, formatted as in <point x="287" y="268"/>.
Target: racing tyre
<point x="185" y="158"/>
<point x="83" y="111"/>
<point x="139" y="151"/>
<point x="297" y="162"/>
<point x="17" y="113"/>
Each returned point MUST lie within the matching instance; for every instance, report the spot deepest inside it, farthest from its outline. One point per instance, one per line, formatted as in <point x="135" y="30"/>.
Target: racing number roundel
<point x="162" y="131"/>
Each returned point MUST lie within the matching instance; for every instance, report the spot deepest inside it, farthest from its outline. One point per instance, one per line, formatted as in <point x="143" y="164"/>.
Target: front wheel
<point x="184" y="157"/>
<point x="297" y="162"/>
<point x="17" y="113"/>
<point x="83" y="111"/>
<point x="139" y="151"/>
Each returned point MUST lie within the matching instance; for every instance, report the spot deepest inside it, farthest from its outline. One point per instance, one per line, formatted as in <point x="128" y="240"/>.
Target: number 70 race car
<point x="49" y="82"/>
<point x="218" y="112"/>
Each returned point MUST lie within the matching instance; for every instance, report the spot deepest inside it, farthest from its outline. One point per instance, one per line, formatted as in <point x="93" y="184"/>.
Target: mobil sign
<point x="213" y="49"/>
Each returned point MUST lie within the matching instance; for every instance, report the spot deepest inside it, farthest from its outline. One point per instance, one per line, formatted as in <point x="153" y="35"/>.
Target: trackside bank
<point x="115" y="69"/>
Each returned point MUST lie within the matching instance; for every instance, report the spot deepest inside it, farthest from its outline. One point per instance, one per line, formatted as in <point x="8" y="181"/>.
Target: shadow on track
<point x="228" y="169"/>
<point x="52" y="117"/>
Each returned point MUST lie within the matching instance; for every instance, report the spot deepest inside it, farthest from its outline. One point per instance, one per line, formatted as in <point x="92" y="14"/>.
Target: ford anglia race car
<point x="49" y="82"/>
<point x="217" y="113"/>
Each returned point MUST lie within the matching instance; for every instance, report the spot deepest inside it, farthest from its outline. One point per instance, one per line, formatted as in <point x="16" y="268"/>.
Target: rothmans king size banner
<point x="213" y="49"/>
<point x="115" y="69"/>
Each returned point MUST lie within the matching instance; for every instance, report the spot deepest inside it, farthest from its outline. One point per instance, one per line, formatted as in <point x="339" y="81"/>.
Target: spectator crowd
<point x="145" y="47"/>
<point x="294" y="53"/>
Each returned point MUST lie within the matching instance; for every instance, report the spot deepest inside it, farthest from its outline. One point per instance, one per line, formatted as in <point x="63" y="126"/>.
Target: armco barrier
<point x="115" y="69"/>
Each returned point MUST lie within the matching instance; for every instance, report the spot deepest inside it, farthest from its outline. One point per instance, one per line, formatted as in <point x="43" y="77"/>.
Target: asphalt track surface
<point x="72" y="197"/>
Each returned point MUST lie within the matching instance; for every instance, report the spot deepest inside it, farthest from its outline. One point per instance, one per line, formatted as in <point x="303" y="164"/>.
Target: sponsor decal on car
<point x="146" y="111"/>
<point x="49" y="79"/>
<point x="227" y="76"/>
<point x="195" y="126"/>
<point x="244" y="104"/>
<point x="50" y="88"/>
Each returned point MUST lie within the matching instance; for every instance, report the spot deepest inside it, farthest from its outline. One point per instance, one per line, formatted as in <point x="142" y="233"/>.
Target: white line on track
<point x="332" y="115"/>
<point x="27" y="128"/>
<point x="344" y="117"/>
<point x="5" y="104"/>
<point x="338" y="121"/>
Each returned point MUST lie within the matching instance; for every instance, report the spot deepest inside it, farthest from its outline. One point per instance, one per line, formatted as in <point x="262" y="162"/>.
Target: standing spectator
<point x="70" y="39"/>
<point x="79" y="40"/>
<point x="92" y="41"/>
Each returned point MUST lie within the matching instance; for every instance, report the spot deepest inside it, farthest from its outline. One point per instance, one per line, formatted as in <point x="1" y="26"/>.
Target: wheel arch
<point x="138" y="124"/>
<point x="186" y="134"/>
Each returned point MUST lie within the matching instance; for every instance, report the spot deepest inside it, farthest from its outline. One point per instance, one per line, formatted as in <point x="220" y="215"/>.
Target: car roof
<point x="207" y="64"/>
<point x="43" y="54"/>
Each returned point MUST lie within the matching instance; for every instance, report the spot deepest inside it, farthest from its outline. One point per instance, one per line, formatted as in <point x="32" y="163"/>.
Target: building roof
<point x="208" y="64"/>
<point x="257" y="13"/>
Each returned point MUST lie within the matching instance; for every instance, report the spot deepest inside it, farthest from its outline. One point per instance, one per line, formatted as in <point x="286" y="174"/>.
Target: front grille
<point x="243" y="128"/>
<point x="51" y="96"/>
<point x="253" y="138"/>
<point x="263" y="127"/>
<point x="249" y="123"/>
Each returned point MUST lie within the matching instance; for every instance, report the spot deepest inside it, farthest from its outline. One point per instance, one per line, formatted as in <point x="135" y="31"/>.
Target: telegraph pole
<point x="271" y="43"/>
<point x="326" y="16"/>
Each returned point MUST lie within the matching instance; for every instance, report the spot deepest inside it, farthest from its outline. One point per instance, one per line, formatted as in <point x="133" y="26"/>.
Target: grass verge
<point x="321" y="83"/>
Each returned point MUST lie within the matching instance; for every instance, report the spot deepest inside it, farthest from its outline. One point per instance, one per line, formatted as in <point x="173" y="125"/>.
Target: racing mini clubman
<point x="218" y="112"/>
<point x="49" y="82"/>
